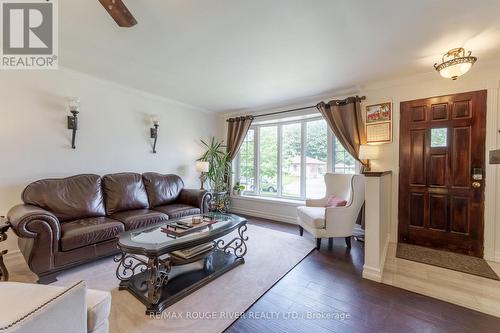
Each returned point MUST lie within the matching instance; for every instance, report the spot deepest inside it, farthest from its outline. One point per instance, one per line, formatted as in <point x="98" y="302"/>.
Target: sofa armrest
<point x="196" y="198"/>
<point x="24" y="218"/>
<point x="39" y="232"/>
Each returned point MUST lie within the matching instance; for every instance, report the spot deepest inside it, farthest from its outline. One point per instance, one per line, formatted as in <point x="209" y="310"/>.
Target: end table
<point x="4" y="226"/>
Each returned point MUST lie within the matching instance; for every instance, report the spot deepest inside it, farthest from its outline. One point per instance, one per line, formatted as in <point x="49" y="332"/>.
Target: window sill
<point x="288" y="202"/>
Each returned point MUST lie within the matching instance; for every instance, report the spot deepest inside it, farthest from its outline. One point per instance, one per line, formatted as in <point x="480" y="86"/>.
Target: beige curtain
<point x="237" y="129"/>
<point x="345" y="120"/>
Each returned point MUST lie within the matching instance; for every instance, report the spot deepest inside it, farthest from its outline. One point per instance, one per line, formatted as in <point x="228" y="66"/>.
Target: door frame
<point x="491" y="249"/>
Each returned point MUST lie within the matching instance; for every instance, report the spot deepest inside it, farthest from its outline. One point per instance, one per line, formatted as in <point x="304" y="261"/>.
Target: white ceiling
<point x="224" y="55"/>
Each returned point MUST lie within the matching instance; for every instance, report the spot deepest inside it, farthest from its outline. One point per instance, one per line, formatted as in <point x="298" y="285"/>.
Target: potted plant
<point x="238" y="188"/>
<point x="218" y="173"/>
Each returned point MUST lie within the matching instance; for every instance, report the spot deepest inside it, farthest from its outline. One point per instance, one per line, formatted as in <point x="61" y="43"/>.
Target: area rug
<point x="213" y="308"/>
<point x="449" y="260"/>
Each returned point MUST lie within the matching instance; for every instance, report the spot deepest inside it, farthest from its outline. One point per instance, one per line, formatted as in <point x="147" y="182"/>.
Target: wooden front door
<point x="441" y="172"/>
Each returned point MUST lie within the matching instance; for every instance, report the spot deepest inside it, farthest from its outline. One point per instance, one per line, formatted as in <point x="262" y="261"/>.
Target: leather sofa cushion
<point x="178" y="210"/>
<point x="89" y="231"/>
<point x="133" y="219"/>
<point x="124" y="191"/>
<point x="162" y="189"/>
<point x="67" y="198"/>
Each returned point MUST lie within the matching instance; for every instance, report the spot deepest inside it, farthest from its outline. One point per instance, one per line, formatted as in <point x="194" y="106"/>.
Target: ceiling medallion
<point x="455" y="63"/>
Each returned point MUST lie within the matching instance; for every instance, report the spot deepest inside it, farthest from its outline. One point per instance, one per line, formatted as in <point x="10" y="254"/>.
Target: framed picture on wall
<point x="379" y="123"/>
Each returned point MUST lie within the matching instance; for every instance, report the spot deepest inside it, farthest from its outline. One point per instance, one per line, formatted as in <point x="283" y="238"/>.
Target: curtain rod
<point x="298" y="109"/>
<point x="285" y="111"/>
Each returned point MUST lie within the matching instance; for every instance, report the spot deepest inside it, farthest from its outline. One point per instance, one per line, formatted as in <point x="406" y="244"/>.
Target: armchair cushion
<point x="67" y="198"/>
<point x="313" y="216"/>
<point x="84" y="232"/>
<point x="98" y="309"/>
<point x="178" y="210"/>
<point x="162" y="189"/>
<point x="124" y="191"/>
<point x="133" y="219"/>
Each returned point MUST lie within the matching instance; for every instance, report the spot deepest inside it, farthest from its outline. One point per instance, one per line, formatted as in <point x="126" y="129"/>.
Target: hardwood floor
<point x="329" y="283"/>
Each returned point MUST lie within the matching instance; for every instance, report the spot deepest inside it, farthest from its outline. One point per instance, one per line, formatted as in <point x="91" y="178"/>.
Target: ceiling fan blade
<point x="119" y="12"/>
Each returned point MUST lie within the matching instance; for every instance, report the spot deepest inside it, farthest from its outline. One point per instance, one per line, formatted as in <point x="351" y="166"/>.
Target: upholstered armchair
<point x="328" y="222"/>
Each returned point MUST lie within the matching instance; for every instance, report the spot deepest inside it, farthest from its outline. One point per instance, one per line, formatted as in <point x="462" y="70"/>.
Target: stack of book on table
<point x="194" y="251"/>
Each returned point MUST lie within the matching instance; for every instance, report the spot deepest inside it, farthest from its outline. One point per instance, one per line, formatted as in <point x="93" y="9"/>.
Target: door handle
<point x="476" y="184"/>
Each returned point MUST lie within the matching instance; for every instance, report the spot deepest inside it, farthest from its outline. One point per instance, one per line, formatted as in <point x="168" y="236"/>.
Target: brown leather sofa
<point x="69" y="221"/>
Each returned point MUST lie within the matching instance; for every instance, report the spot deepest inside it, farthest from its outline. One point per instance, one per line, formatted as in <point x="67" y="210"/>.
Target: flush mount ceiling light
<point x="455" y="63"/>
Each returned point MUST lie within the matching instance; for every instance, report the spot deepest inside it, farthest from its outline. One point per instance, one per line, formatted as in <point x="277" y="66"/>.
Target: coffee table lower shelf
<point x="182" y="280"/>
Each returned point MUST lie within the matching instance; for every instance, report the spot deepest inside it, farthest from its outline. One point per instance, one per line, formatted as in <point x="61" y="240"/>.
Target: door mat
<point x="444" y="259"/>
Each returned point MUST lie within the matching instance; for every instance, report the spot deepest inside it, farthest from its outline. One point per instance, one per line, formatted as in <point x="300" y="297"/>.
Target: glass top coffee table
<point x="163" y="263"/>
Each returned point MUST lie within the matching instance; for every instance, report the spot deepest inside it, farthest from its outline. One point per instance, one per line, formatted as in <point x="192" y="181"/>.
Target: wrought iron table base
<point x="4" y="274"/>
<point x="159" y="283"/>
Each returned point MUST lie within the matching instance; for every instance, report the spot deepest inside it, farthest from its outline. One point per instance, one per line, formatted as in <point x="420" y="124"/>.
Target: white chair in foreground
<point x="35" y="308"/>
<point x="328" y="222"/>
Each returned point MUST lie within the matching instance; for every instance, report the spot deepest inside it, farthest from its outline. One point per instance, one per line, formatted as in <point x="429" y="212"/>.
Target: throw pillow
<point x="335" y="201"/>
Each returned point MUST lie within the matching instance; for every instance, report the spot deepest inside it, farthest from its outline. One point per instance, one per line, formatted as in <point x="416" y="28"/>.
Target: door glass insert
<point x="439" y="137"/>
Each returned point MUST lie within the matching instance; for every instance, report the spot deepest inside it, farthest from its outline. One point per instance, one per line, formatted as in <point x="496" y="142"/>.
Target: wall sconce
<point x="74" y="108"/>
<point x="154" y="131"/>
<point x="368" y="152"/>
<point x="202" y="167"/>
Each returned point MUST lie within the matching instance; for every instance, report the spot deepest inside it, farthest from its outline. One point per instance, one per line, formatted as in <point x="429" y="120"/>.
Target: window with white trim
<point x="287" y="158"/>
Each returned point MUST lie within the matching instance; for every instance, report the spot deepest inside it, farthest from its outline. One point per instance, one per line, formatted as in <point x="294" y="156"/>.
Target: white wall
<point x="415" y="87"/>
<point x="113" y="133"/>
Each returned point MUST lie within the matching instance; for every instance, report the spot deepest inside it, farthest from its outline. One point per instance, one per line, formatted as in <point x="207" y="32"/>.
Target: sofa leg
<point x="318" y="243"/>
<point x="348" y="242"/>
<point x="47" y="278"/>
<point x="330" y="242"/>
<point x="301" y="231"/>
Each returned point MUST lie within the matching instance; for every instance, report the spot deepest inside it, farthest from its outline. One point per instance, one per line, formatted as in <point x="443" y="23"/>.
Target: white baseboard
<point x="372" y="273"/>
<point x="496" y="257"/>
<point x="265" y="215"/>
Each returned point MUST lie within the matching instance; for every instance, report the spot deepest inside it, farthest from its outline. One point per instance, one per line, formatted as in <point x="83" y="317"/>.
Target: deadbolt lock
<point x="476" y="184"/>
